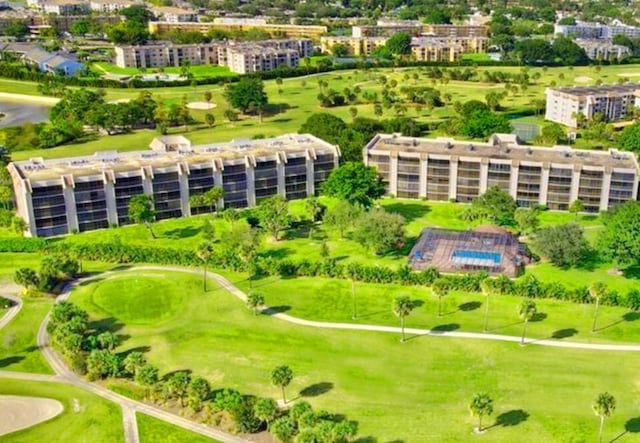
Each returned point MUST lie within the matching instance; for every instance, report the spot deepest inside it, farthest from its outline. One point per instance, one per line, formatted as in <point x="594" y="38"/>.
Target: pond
<point x="18" y="113"/>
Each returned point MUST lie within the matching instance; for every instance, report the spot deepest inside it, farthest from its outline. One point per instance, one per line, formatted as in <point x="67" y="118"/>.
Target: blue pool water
<point x="492" y="256"/>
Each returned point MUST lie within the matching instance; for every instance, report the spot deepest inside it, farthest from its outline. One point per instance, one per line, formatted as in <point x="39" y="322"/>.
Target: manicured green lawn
<point x="293" y="102"/>
<point x="86" y="417"/>
<point x="413" y="392"/>
<point x="152" y="430"/>
<point x="326" y="299"/>
<point x="198" y="71"/>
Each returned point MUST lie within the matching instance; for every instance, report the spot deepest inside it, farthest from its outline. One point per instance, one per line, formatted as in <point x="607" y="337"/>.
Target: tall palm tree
<point x="481" y="405"/>
<point x="604" y="407"/>
<point x="204" y="252"/>
<point x="486" y="287"/>
<point x="526" y="311"/>
<point x="597" y="290"/>
<point x="440" y="289"/>
<point x="402" y="307"/>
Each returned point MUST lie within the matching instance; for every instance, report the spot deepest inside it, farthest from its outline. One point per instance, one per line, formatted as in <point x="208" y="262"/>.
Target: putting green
<point x="139" y="299"/>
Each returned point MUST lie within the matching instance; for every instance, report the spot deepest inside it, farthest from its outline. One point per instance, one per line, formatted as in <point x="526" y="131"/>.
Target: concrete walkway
<point x="9" y="291"/>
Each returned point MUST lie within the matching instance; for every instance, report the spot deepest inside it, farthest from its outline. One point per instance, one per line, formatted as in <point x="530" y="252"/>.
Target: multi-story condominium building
<point x="240" y="57"/>
<point x="386" y="28"/>
<point x="171" y="14"/>
<point x="603" y="49"/>
<point x="455" y="30"/>
<point x="443" y="169"/>
<point x="425" y="48"/>
<point x="110" y="6"/>
<point x="435" y="50"/>
<point x="275" y="30"/>
<point x="64" y="7"/>
<point x="613" y="102"/>
<point x="588" y="30"/>
<point x="61" y="196"/>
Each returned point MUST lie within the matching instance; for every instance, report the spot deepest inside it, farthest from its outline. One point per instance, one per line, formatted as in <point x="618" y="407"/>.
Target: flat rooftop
<point x="583" y="91"/>
<point x="504" y="147"/>
<point x="165" y="152"/>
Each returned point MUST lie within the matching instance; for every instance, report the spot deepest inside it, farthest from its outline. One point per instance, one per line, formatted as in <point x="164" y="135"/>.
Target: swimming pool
<point x="480" y="258"/>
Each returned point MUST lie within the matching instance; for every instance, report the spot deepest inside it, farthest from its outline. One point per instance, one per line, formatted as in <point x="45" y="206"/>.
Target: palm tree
<point x="486" y="287"/>
<point x="440" y="289"/>
<point x="402" y="307"/>
<point x="204" y="253"/>
<point x="604" y="406"/>
<point x="481" y="405"/>
<point x="526" y="311"/>
<point x="597" y="290"/>
<point x="281" y="377"/>
<point x="254" y="301"/>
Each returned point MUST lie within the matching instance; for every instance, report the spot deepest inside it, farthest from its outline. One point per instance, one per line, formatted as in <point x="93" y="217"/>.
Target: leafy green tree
<point x="527" y="310"/>
<point x="620" y="239"/>
<point x="141" y="211"/>
<point x="254" y="301"/>
<point x="26" y="277"/>
<point x="532" y="51"/>
<point x="528" y="220"/>
<point x="343" y="431"/>
<point x="552" y="134"/>
<point x="80" y="27"/>
<point x="210" y="119"/>
<point x="265" y="410"/>
<point x="597" y="290"/>
<point x="402" y="307"/>
<point x="274" y="215"/>
<point x="299" y="410"/>
<point x="564" y="245"/>
<point x="355" y="183"/>
<point x="629" y="138"/>
<point x="604" y="407"/>
<point x="482" y="124"/>
<point x="247" y="94"/>
<point x="207" y="96"/>
<point x="440" y="289"/>
<point x="496" y="205"/>
<point x="101" y="364"/>
<point x="281" y="376"/>
<point x="146" y="375"/>
<point x="283" y="429"/>
<point x="399" y="44"/>
<point x="481" y="405"/>
<point x="177" y="385"/>
<point x="204" y="253"/>
<point x="342" y="216"/>
<point x="576" y="207"/>
<point x="198" y="392"/>
<point x="314" y="208"/>
<point x="379" y="231"/>
<point x="133" y="362"/>
<point x="568" y="51"/>
<point x="108" y="340"/>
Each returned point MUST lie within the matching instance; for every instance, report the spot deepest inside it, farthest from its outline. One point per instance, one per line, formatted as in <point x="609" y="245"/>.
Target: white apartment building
<point x="603" y="49"/>
<point x="110" y="6"/>
<point x="588" y="30"/>
<point x="171" y="14"/>
<point x="240" y="57"/>
<point x="612" y="101"/>
<point x="64" y="7"/>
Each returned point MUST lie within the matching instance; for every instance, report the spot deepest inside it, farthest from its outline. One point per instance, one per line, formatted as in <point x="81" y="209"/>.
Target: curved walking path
<point x="8" y="292"/>
<point x="226" y="284"/>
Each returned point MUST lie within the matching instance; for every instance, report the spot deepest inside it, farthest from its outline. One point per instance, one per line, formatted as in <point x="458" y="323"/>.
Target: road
<point x="8" y="291"/>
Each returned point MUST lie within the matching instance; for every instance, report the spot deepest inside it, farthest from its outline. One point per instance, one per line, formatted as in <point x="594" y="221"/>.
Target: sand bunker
<point x="583" y="79"/>
<point x="203" y="106"/>
<point x="120" y="100"/>
<point x="629" y="74"/>
<point x="24" y="412"/>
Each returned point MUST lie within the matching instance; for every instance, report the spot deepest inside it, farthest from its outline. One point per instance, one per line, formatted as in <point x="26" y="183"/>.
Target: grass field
<point x="152" y="430"/>
<point x="198" y="71"/>
<point x="86" y="418"/>
<point x="412" y="392"/>
<point x="293" y="102"/>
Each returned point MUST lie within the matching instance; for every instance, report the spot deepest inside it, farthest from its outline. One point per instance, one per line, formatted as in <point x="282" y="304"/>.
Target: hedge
<point x="116" y="252"/>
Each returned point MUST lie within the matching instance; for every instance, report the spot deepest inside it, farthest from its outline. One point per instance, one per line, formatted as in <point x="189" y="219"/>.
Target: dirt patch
<point x="583" y="79"/>
<point x="24" y="412"/>
<point x="203" y="106"/>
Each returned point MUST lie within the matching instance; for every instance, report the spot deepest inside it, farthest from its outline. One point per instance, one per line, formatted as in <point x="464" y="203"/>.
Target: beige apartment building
<point x="444" y="168"/>
<point x="66" y="195"/>
<point x="275" y="30"/>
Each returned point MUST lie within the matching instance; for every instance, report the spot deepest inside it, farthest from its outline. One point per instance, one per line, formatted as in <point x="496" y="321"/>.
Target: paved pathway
<point x="8" y="291"/>
<point x="226" y="284"/>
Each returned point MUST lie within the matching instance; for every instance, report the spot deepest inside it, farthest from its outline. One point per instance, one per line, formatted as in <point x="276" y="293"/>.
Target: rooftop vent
<point x="471" y="148"/>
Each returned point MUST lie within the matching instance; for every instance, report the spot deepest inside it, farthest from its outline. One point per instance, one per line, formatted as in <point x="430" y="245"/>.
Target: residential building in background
<point x="612" y="101"/>
<point x="275" y="30"/>
<point x="65" y="195"/>
<point x="603" y="49"/>
<point x="444" y="169"/>
<point x="54" y="63"/>
<point x="589" y="30"/>
<point x="171" y="14"/>
<point x="111" y="6"/>
<point x="241" y="57"/>
<point x="64" y="7"/>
